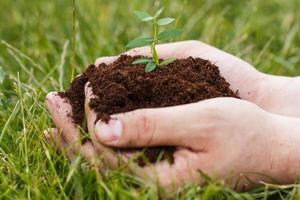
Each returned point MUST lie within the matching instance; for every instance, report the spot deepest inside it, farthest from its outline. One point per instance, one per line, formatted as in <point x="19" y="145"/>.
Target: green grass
<point x="40" y="51"/>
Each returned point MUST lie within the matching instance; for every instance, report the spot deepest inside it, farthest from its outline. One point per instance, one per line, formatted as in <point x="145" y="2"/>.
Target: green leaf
<point x="142" y="61"/>
<point x="139" y="42"/>
<point x="150" y="67"/>
<point x="167" y="61"/>
<point x="168" y="34"/>
<point x="144" y="16"/>
<point x="165" y="21"/>
<point x="2" y="75"/>
<point x="158" y="13"/>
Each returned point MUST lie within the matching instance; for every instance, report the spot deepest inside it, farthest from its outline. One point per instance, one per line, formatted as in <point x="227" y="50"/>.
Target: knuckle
<point x="145" y="128"/>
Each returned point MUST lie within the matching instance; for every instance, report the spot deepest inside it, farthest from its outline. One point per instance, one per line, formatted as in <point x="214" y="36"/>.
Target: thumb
<point x="147" y="127"/>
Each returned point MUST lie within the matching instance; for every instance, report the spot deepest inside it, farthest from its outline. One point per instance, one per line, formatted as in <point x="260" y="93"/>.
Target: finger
<point x="107" y="155"/>
<point x="56" y="139"/>
<point x="184" y="170"/>
<point x="90" y="114"/>
<point x="105" y="60"/>
<point x="91" y="119"/>
<point x="89" y="153"/>
<point x="87" y="150"/>
<point x="150" y="127"/>
<point x="60" y="111"/>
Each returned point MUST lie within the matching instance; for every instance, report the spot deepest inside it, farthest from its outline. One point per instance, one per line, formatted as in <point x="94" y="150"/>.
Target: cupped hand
<point x="215" y="136"/>
<point x="226" y="138"/>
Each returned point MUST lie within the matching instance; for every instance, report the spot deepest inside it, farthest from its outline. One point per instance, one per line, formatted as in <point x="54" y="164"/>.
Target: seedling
<point x="154" y="39"/>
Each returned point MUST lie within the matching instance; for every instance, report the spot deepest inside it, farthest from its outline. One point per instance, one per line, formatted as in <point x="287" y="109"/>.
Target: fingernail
<point x="109" y="132"/>
<point x="50" y="96"/>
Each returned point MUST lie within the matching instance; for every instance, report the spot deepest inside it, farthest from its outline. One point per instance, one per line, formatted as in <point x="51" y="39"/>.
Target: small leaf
<point x="141" y="61"/>
<point x="150" y="67"/>
<point x="2" y="75"/>
<point x="167" y="61"/>
<point x="168" y="34"/>
<point x="158" y="13"/>
<point x="144" y="16"/>
<point x="165" y="21"/>
<point x="139" y="42"/>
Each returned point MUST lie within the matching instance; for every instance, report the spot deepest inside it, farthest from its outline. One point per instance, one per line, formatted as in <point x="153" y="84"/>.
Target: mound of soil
<point x="122" y="87"/>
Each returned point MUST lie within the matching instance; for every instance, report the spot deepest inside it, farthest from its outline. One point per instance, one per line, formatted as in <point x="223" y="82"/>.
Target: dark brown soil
<point x="122" y="87"/>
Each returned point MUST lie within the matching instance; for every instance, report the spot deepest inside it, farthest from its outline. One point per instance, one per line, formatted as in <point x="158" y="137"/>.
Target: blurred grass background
<point x="39" y="46"/>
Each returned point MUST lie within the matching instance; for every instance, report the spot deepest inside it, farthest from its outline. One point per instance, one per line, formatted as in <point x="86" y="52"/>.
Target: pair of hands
<point x="226" y="138"/>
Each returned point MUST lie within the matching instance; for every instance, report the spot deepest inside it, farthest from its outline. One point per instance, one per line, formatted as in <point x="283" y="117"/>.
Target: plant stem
<point x="153" y="49"/>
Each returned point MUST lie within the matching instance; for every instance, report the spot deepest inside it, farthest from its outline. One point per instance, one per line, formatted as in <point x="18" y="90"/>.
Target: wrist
<point x="285" y="149"/>
<point x="278" y="94"/>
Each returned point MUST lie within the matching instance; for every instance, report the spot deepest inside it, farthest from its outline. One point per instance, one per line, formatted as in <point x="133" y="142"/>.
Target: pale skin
<point x="234" y="140"/>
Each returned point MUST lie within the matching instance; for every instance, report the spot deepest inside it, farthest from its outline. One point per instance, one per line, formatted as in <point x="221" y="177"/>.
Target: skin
<point x="243" y="142"/>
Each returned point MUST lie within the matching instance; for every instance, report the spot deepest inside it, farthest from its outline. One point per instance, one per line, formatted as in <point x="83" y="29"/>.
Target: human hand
<point x="251" y="84"/>
<point x="238" y="73"/>
<point x="228" y="139"/>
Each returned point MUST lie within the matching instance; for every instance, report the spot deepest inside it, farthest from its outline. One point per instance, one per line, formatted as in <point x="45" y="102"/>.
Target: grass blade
<point x="62" y="63"/>
<point x="2" y="75"/>
<point x="23" y="55"/>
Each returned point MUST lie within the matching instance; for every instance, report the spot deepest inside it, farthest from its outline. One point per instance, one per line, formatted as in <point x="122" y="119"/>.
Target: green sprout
<point x="153" y="40"/>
